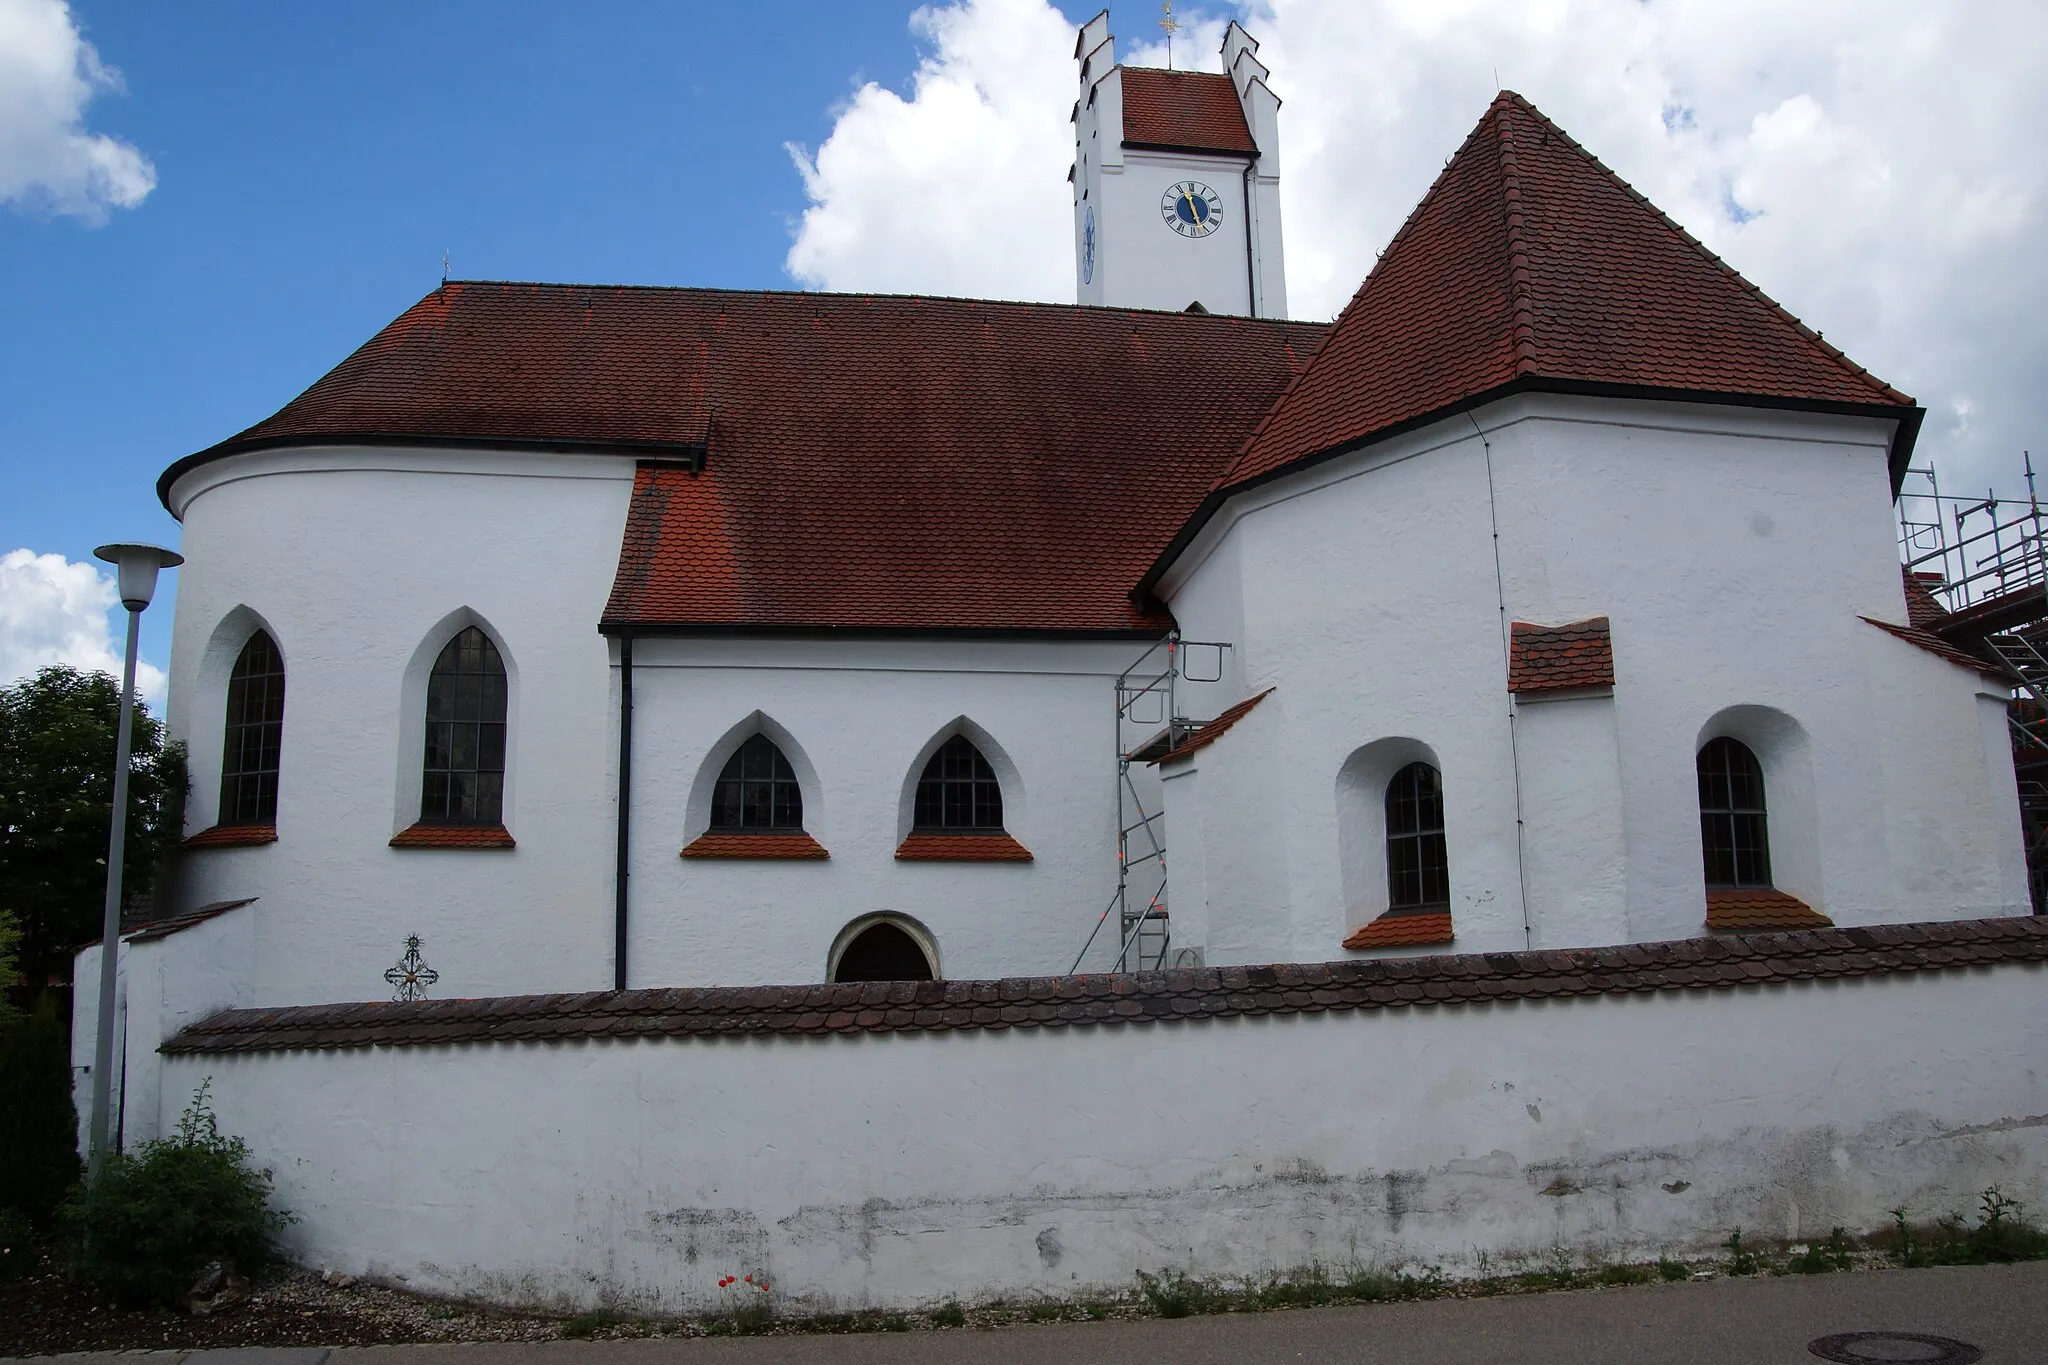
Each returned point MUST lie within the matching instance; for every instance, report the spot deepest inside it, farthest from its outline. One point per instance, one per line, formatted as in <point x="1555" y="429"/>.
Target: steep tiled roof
<point x="1193" y="109"/>
<point x="1529" y="260"/>
<point x="1546" y="658"/>
<point x="1718" y="963"/>
<point x="874" y="462"/>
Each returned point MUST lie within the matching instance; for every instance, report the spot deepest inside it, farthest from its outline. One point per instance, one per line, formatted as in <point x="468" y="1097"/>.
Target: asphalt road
<point x="2002" y="1310"/>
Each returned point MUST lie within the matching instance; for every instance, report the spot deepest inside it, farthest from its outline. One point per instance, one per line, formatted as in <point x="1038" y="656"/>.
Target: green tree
<point x="57" y="732"/>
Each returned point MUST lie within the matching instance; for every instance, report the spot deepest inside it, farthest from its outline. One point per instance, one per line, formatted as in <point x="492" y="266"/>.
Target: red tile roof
<point x="453" y="836"/>
<point x="882" y="463"/>
<point x="1760" y="908"/>
<point x="1404" y="929"/>
<point x="1195" y="110"/>
<point x="1529" y="260"/>
<point x="1205" y="735"/>
<point x="1546" y="658"/>
<point x="1136" y="999"/>
<point x="962" y="848"/>
<point x="1934" y="644"/>
<point x="785" y="844"/>
<point x="232" y="836"/>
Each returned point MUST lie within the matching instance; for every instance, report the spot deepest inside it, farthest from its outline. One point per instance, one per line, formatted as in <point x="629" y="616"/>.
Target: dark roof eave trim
<point x="1904" y="435"/>
<point x="1182" y="149"/>
<point x="673" y="450"/>
<point x="654" y="630"/>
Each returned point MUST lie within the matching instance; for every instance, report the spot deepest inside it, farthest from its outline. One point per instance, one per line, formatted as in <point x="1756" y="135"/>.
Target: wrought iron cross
<point x="411" y="977"/>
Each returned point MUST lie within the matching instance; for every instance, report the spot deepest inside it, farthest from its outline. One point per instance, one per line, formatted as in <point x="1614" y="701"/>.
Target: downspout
<point x="1507" y="659"/>
<point x="625" y="807"/>
<point x="1251" y="270"/>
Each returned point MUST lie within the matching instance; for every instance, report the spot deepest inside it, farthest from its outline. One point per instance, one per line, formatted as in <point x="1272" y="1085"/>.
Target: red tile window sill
<point x="962" y="848"/>
<point x="1404" y="929"/>
<point x="737" y="844"/>
<point x="1760" y="907"/>
<point x="232" y="836"/>
<point x="453" y="836"/>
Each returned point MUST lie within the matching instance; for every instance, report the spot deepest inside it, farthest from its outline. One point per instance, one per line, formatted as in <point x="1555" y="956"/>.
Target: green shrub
<point x="1671" y="1269"/>
<point x="949" y="1314"/>
<point x="152" y="1221"/>
<point x="2002" y="1234"/>
<point x="1175" y="1294"/>
<point x="38" y="1125"/>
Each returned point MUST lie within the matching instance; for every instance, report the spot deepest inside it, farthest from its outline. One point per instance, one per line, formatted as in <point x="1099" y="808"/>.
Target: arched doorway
<point x="882" y="951"/>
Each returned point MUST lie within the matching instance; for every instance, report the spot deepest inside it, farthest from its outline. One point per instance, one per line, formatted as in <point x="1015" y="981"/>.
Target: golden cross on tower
<point x="1172" y="26"/>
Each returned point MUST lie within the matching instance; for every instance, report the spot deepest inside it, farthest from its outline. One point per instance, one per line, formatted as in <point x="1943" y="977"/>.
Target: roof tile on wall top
<point x="1198" y="110"/>
<point x="874" y="462"/>
<point x="1436" y="981"/>
<point x="1548" y="658"/>
<point x="1528" y="258"/>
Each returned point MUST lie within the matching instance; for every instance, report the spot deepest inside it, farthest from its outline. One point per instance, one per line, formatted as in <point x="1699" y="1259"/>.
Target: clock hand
<point x="1194" y="214"/>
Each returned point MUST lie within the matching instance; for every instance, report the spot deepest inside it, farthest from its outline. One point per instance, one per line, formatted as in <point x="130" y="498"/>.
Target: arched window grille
<point x="1418" y="868"/>
<point x="255" y="735"/>
<point x="1733" y="833"/>
<point x="757" y="790"/>
<point x="463" y="782"/>
<point x="958" y="791"/>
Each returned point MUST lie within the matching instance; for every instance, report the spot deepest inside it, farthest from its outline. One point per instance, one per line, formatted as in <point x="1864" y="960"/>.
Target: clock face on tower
<point x="1191" y="208"/>
<point x="1088" y="244"/>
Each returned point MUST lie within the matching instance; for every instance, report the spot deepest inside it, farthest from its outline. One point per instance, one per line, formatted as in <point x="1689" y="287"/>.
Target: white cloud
<point x="48" y="161"/>
<point x="1872" y="164"/>
<point x="54" y="611"/>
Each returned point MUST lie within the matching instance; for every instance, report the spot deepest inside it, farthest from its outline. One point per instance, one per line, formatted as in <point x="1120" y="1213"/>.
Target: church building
<point x="646" y="638"/>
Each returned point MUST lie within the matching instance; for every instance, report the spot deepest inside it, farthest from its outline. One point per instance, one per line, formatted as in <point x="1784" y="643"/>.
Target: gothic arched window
<point x="1733" y="833"/>
<point x="463" y="781"/>
<point x="1418" y="868"/>
<point x="958" y="792"/>
<point x="254" y="736"/>
<point x="757" y="790"/>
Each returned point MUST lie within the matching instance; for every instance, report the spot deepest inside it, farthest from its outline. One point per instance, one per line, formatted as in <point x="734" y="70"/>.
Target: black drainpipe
<point x="625" y="805"/>
<point x="1251" y="271"/>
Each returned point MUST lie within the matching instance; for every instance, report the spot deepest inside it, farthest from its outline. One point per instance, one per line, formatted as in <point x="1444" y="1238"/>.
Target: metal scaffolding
<point x="1147" y="700"/>
<point x="1985" y="561"/>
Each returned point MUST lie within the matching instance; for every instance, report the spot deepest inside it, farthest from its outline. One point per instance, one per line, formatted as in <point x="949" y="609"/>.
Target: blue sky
<point x="314" y="161"/>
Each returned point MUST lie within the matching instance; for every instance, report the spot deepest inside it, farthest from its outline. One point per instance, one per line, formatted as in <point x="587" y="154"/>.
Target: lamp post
<point x="137" y="567"/>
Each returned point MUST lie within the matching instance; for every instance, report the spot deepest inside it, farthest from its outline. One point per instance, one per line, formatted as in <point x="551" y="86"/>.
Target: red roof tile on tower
<point x="882" y="463"/>
<point x="1529" y="260"/>
<point x="1195" y="110"/>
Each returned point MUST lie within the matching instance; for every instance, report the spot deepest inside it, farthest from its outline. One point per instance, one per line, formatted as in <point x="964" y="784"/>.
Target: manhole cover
<point x="1868" y="1348"/>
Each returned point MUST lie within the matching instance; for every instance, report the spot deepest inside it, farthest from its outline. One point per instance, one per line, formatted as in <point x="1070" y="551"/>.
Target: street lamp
<point x="137" y="567"/>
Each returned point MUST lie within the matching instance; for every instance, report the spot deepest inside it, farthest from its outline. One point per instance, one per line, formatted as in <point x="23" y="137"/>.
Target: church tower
<point x="1176" y="181"/>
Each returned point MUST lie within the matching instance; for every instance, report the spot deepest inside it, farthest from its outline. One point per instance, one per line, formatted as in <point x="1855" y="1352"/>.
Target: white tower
<point x="1177" y="182"/>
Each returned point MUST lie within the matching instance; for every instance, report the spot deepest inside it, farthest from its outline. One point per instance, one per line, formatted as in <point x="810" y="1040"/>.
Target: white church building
<point x="637" y="650"/>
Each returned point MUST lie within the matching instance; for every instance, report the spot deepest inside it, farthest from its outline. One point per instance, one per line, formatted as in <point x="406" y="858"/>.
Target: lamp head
<point x="136" y="567"/>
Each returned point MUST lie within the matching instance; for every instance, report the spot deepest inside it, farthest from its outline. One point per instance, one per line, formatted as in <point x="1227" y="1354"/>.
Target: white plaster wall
<point x="903" y="1169"/>
<point x="361" y="563"/>
<point x="864" y="714"/>
<point x="1733" y="550"/>
<point x="160" y="986"/>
